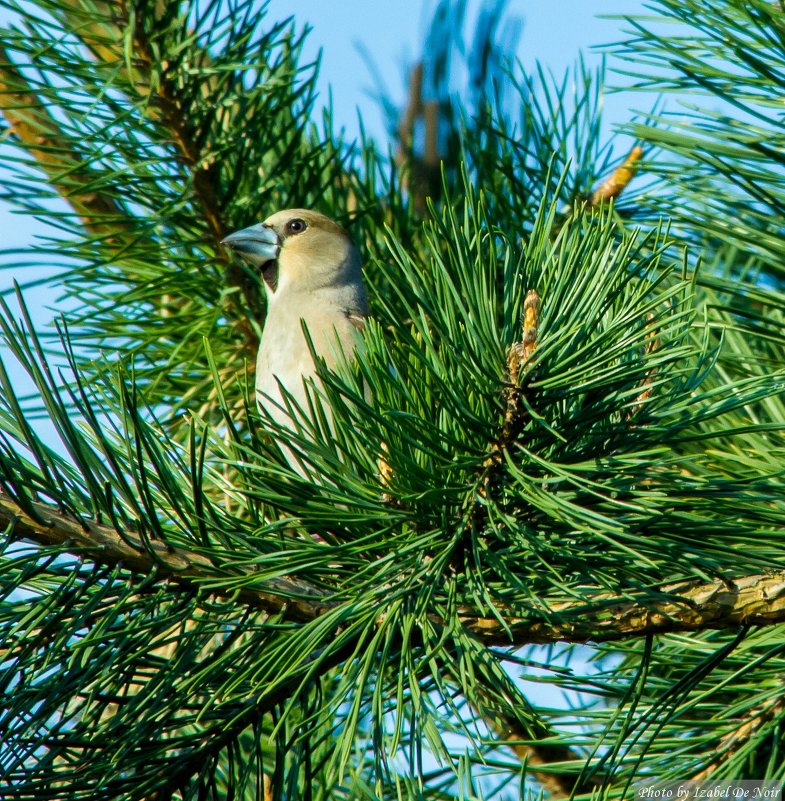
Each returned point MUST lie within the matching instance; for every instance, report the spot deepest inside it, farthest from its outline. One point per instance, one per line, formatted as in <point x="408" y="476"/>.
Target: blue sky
<point x="553" y="33"/>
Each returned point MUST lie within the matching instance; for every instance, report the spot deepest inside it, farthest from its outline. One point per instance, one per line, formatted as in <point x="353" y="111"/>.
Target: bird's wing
<point x="357" y="319"/>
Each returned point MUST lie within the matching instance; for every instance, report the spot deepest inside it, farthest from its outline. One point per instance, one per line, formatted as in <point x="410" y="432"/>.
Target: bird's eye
<point x="295" y="226"/>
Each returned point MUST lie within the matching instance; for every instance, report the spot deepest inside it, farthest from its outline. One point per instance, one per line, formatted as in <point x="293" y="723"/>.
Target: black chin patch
<point x="270" y="275"/>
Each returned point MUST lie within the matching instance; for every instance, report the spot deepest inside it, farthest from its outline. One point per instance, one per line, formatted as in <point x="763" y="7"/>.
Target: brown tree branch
<point x="734" y="740"/>
<point x="47" y="525"/>
<point x="559" y="784"/>
<point x="420" y="172"/>
<point x="38" y="133"/>
<point x="690" y="605"/>
<point x="167" y="103"/>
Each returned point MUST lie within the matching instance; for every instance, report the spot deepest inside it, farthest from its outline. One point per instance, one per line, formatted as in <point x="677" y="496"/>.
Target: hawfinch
<point x="312" y="275"/>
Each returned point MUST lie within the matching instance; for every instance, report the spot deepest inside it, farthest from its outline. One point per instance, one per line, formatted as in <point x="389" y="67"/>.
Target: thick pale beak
<point x="257" y="244"/>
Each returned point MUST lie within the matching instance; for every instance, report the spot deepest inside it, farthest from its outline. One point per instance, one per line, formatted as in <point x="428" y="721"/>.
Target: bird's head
<point x="298" y="249"/>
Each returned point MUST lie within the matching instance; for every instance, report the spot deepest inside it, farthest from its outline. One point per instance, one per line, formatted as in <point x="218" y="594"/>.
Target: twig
<point x="735" y="739"/>
<point x="513" y="421"/>
<point x="539" y="754"/>
<point x="753" y="600"/>
<point x="421" y="173"/>
<point x="204" y="174"/>
<point x="49" y="526"/>
<point x="39" y="134"/>
<point x="695" y="605"/>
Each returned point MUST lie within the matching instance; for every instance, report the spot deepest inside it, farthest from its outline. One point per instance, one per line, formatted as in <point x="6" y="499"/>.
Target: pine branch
<point x="651" y="346"/>
<point x="540" y="754"/>
<point x="204" y="173"/>
<point x="732" y="742"/>
<point x="558" y="784"/>
<point x="420" y="172"/>
<point x="48" y="526"/>
<point x="172" y="111"/>
<point x="514" y="418"/>
<point x="519" y="355"/>
<point x="753" y="600"/>
<point x="38" y="133"/>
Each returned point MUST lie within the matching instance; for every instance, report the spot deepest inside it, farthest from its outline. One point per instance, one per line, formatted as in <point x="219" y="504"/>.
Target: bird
<point x="312" y="275"/>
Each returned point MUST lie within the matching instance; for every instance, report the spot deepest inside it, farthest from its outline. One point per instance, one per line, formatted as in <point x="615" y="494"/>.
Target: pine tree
<point x="557" y="463"/>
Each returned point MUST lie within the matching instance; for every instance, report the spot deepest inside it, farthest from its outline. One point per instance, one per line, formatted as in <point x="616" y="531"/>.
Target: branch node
<point x="517" y="357"/>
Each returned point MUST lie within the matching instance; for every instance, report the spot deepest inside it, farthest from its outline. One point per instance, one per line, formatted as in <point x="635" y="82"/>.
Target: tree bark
<point x="692" y="605"/>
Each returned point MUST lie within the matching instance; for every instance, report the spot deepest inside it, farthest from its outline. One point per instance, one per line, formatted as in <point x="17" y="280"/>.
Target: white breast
<point x="284" y="358"/>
